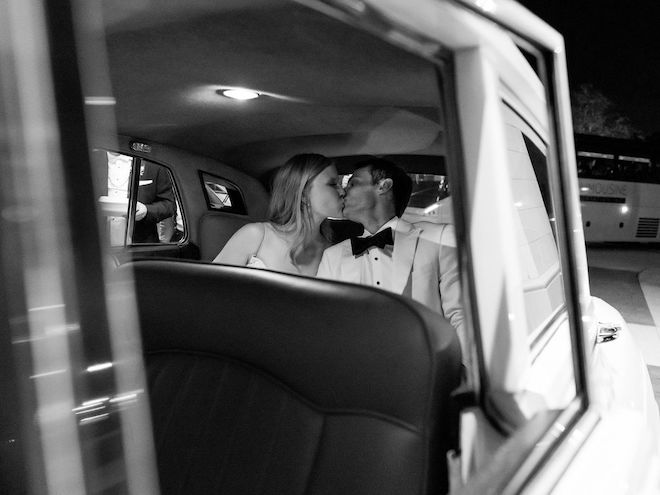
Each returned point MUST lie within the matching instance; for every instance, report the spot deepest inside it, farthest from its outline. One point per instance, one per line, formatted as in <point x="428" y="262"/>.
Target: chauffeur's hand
<point x="140" y="211"/>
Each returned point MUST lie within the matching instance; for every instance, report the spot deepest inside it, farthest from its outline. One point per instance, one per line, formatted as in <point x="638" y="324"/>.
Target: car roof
<point x="166" y="70"/>
<point x="325" y="86"/>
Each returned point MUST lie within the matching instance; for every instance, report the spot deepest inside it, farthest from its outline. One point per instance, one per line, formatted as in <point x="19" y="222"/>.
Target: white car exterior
<point x="498" y="96"/>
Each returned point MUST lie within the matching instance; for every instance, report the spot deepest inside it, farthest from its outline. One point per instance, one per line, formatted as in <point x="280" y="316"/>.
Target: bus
<point x="619" y="189"/>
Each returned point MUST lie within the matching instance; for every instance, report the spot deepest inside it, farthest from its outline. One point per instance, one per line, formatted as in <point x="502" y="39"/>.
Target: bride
<point x="306" y="190"/>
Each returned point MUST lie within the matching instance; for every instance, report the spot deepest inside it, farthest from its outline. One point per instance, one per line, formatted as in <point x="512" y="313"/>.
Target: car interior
<point x="141" y="136"/>
<point x="272" y="394"/>
<point x="169" y="68"/>
<point x="244" y="399"/>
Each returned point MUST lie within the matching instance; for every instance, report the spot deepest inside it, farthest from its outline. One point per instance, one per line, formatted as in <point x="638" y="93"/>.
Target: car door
<point x="521" y="190"/>
<point x="72" y="419"/>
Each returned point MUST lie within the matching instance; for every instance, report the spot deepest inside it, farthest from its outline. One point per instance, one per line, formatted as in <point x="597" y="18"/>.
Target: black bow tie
<point x="381" y="239"/>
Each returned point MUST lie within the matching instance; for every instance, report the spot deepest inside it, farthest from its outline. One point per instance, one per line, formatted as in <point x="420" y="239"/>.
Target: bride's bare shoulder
<point x="252" y="231"/>
<point x="244" y="242"/>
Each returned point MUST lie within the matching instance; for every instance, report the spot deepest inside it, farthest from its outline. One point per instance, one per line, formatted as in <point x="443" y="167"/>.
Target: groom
<point x="418" y="261"/>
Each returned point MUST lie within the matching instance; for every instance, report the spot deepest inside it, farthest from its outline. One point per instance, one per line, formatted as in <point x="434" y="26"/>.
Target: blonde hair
<point x="289" y="209"/>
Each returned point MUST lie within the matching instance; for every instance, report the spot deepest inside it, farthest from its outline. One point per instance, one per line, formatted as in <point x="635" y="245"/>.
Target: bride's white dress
<point x="255" y="262"/>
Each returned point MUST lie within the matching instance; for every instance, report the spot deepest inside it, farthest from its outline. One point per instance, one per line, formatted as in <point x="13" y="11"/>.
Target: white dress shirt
<point x="375" y="265"/>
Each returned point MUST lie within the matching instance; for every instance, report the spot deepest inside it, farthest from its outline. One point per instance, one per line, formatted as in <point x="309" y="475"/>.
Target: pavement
<point x="629" y="279"/>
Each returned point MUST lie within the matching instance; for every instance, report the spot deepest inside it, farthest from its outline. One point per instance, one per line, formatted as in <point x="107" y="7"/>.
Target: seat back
<point x="262" y="382"/>
<point x="215" y="229"/>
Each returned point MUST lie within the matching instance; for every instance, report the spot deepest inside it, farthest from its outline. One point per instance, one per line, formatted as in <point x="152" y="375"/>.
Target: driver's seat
<point x="262" y="382"/>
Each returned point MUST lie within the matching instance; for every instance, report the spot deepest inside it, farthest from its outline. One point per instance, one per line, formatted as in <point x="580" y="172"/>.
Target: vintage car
<point x="138" y="366"/>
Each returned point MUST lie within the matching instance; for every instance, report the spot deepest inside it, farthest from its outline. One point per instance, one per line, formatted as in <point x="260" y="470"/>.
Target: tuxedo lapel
<point x="405" y="245"/>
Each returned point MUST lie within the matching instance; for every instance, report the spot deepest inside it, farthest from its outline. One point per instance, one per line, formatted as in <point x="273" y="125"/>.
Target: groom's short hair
<point x="401" y="181"/>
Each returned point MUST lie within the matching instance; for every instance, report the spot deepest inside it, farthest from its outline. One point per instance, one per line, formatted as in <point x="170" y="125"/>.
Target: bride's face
<point x="326" y="195"/>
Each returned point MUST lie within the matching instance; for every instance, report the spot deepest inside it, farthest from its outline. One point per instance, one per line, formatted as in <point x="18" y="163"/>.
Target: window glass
<point x="172" y="228"/>
<point x="155" y="202"/>
<point x="542" y="282"/>
<point x="119" y="172"/>
<point x="427" y="190"/>
<point x="222" y="195"/>
<point x="602" y="166"/>
<point x="430" y="199"/>
<point x="596" y="165"/>
<point x="157" y="217"/>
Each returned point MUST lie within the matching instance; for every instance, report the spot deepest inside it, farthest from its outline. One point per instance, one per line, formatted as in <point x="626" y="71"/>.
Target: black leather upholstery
<point x="263" y="382"/>
<point x="215" y="229"/>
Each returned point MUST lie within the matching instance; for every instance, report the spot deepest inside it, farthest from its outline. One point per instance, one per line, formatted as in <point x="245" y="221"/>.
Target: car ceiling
<point x="326" y="87"/>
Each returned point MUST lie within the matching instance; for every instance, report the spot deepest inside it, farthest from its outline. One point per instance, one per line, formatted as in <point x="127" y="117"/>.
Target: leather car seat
<point x="262" y="382"/>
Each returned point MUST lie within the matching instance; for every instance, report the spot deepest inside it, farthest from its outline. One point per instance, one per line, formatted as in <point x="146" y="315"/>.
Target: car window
<point x="157" y="215"/>
<point x="430" y="199"/>
<point x="506" y="211"/>
<point x="538" y="313"/>
<point x="541" y="273"/>
<point x="221" y="194"/>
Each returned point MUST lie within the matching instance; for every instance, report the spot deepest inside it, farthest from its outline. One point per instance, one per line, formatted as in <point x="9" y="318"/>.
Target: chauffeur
<point x="155" y="202"/>
<point x="418" y="261"/>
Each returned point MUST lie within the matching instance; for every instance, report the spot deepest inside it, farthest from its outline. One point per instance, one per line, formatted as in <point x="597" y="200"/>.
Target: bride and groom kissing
<point x="418" y="260"/>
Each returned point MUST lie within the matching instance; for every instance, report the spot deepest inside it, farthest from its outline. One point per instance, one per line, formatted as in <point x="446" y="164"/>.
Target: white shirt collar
<point x="391" y="223"/>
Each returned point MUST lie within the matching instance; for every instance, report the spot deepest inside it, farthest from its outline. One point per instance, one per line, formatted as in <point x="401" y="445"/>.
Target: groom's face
<point x="360" y="195"/>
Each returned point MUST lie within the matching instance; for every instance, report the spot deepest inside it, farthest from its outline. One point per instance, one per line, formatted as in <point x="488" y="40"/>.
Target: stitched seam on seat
<point x="250" y="394"/>
<point x="269" y="455"/>
<point x="316" y="455"/>
<point x="166" y="424"/>
<point x="275" y="381"/>
<point x="157" y="372"/>
<point x="202" y="432"/>
<point x="155" y="375"/>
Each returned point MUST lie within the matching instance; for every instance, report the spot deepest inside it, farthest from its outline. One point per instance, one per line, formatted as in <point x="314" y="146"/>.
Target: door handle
<point x="607" y="332"/>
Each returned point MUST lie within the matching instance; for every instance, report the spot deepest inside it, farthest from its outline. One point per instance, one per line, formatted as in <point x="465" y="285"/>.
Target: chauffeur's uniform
<point x="155" y="192"/>
<point x="422" y="264"/>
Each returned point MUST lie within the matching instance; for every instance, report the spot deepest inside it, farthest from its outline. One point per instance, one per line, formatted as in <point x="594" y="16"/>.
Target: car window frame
<point x="137" y="163"/>
<point x="548" y="48"/>
<point x="237" y="209"/>
<point x="70" y="382"/>
<point x="134" y="174"/>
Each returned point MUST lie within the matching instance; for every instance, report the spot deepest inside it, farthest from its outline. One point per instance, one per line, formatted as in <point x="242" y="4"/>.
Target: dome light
<point x="240" y="94"/>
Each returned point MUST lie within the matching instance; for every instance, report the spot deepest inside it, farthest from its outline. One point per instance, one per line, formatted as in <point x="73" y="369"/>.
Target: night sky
<point x="615" y="46"/>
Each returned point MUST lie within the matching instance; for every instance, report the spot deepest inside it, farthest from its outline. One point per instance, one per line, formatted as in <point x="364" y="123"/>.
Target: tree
<point x="594" y="113"/>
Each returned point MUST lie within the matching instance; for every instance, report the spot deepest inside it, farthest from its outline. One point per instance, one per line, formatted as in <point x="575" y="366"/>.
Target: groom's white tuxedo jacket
<point x="425" y="267"/>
